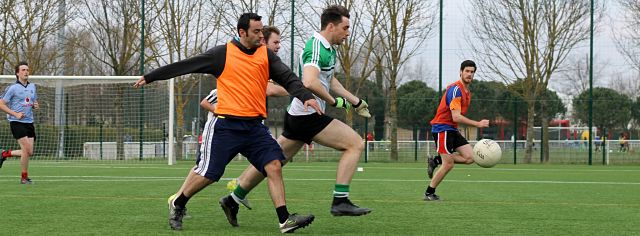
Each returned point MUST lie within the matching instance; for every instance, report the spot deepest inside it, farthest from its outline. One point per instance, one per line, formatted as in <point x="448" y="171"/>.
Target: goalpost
<point x="100" y="118"/>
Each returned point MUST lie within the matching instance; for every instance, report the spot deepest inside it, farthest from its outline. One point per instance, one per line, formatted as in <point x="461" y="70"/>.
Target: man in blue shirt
<point x="18" y="101"/>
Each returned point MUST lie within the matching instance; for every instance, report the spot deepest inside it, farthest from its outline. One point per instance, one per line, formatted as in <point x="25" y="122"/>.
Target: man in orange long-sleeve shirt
<point x="242" y="68"/>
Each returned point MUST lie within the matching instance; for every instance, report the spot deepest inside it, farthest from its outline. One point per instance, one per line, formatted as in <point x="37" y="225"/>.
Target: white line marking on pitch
<point x="320" y="168"/>
<point x="162" y="178"/>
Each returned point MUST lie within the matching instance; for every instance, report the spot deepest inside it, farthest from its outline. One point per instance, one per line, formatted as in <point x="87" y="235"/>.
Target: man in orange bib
<point x="451" y="146"/>
<point x="242" y="68"/>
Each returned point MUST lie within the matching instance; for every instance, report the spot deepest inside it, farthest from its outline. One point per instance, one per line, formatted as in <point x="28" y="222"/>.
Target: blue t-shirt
<point x="20" y="98"/>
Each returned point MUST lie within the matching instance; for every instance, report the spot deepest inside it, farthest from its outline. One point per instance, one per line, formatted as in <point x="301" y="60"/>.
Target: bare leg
<point x="194" y="183"/>
<point x="251" y="177"/>
<point x="351" y="146"/>
<point x="189" y="175"/>
<point x="349" y="142"/>
<point x="26" y="150"/>
<point x="276" y="184"/>
<point x="463" y="155"/>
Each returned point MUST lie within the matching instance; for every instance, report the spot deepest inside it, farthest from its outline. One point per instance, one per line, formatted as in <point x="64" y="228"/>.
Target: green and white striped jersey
<point x="318" y="53"/>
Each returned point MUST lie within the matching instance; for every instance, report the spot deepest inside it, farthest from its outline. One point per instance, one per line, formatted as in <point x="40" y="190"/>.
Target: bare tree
<point x="76" y="59"/>
<point x="628" y="38"/>
<point x="626" y="84"/>
<point x="29" y="31"/>
<point x="270" y="10"/>
<point x="114" y="27"/>
<point x="528" y="40"/>
<point x="403" y="28"/>
<point x="575" y="76"/>
<point x="274" y="13"/>
<point x="627" y="41"/>
<point x="6" y="39"/>
<point x="185" y="29"/>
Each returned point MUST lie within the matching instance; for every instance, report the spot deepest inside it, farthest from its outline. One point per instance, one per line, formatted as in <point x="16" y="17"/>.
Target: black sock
<point x="181" y="201"/>
<point x="232" y="201"/>
<point x="338" y="200"/>
<point x="430" y="190"/>
<point x="283" y="213"/>
<point x="438" y="159"/>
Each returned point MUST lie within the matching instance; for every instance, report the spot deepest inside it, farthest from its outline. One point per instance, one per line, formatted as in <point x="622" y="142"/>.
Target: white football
<point x="487" y="153"/>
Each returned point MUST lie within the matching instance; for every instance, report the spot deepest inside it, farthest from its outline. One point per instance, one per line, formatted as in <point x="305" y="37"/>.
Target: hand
<point x="313" y="104"/>
<point x="362" y="108"/>
<point x="36" y="105"/>
<point x="140" y="82"/>
<point x="483" y="123"/>
<point x="342" y="103"/>
<point x="19" y="115"/>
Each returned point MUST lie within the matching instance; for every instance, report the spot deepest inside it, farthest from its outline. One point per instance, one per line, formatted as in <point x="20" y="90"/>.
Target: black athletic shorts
<point x="448" y="141"/>
<point x="304" y="128"/>
<point x="19" y="130"/>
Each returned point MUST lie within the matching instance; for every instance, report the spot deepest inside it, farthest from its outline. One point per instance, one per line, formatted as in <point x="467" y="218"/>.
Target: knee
<point x="29" y="152"/>
<point x="360" y="146"/>
<point x="468" y="158"/>
<point x="447" y="166"/>
<point x="273" y="167"/>
<point x="357" y="146"/>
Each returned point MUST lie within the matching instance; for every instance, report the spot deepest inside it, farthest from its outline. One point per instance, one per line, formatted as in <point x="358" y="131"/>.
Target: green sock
<point x="341" y="190"/>
<point x="240" y="192"/>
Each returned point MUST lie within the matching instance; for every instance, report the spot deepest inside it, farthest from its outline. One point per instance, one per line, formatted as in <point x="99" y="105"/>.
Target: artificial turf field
<point x="91" y="198"/>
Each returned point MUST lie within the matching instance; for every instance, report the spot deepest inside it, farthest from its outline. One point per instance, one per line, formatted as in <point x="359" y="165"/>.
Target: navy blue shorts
<point x="224" y="138"/>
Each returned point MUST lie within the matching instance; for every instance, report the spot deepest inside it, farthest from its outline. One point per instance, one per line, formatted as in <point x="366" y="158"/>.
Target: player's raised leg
<point x="351" y="146"/>
<point x="463" y="155"/>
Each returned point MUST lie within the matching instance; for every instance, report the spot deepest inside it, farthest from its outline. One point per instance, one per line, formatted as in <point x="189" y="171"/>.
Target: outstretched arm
<point x="210" y="62"/>
<point x="339" y="90"/>
<point x="459" y="118"/>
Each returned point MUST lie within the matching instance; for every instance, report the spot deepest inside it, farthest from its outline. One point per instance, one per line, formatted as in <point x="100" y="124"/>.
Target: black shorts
<point x="448" y="141"/>
<point x="304" y="128"/>
<point x="20" y="130"/>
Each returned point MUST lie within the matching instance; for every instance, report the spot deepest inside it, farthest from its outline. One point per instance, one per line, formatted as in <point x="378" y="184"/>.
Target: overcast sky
<point x="455" y="49"/>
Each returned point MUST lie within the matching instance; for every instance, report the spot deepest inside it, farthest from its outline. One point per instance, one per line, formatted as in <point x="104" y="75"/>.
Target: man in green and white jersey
<point x="318" y="62"/>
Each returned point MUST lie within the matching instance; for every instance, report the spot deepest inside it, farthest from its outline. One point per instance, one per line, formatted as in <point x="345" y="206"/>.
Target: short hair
<point x="468" y="63"/>
<point x="333" y="14"/>
<point x="245" y="19"/>
<point x="267" y="30"/>
<point x="22" y="63"/>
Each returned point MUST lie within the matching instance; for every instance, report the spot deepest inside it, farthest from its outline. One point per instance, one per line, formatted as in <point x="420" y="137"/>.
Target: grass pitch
<point x="90" y="198"/>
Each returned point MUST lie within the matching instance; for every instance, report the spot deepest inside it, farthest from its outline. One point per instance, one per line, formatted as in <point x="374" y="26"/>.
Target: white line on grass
<point x="319" y="168"/>
<point x="230" y="167"/>
<point x="268" y="200"/>
<point x="163" y="178"/>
